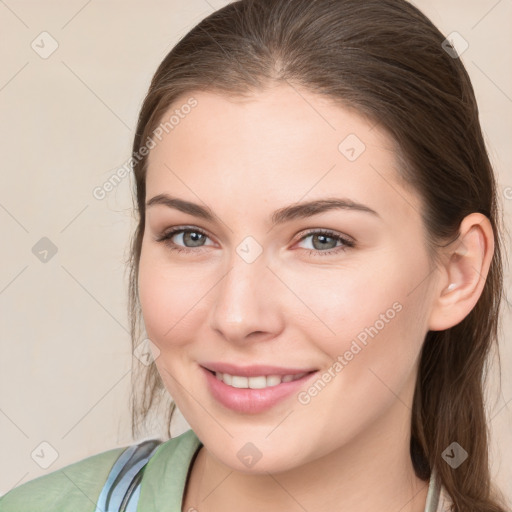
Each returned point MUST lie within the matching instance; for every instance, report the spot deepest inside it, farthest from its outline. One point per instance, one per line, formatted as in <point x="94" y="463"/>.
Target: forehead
<point x="278" y="146"/>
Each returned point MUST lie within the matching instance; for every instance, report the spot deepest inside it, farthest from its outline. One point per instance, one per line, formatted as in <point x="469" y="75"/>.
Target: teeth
<point x="260" y="382"/>
<point x="273" y="380"/>
<point x="243" y="382"/>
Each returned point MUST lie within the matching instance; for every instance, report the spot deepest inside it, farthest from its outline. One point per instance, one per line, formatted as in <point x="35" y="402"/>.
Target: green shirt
<point x="76" y="487"/>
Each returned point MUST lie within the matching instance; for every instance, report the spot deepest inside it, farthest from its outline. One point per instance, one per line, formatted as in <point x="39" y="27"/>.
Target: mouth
<point x="255" y="393"/>
<point x="257" y="381"/>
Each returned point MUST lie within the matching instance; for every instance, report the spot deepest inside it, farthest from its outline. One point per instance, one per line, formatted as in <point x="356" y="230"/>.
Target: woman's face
<point x="250" y="291"/>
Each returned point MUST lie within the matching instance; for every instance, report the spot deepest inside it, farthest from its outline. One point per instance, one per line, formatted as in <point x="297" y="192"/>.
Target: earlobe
<point x="463" y="275"/>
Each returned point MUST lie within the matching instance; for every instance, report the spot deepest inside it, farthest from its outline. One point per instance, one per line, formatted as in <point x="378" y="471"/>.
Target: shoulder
<point x="166" y="473"/>
<point x="73" y="488"/>
<point x="77" y="487"/>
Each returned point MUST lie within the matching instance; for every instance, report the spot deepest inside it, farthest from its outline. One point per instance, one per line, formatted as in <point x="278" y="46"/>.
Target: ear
<point x="464" y="270"/>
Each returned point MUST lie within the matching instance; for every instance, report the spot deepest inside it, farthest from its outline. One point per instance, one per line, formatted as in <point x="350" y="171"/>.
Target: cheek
<point x="371" y="356"/>
<point x="171" y="300"/>
<point x="375" y="314"/>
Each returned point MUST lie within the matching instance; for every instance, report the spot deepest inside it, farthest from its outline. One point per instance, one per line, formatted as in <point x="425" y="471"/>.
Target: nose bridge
<point x="244" y="302"/>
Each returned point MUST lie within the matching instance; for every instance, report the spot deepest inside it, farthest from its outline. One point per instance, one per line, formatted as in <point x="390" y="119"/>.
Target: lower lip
<point x="252" y="401"/>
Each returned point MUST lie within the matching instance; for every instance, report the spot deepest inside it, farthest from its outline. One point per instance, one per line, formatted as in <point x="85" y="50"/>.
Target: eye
<point x="195" y="236"/>
<point x="320" y="241"/>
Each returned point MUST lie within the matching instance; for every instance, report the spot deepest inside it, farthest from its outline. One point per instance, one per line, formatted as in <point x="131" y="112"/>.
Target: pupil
<point x="196" y="237"/>
<point x="322" y="239"/>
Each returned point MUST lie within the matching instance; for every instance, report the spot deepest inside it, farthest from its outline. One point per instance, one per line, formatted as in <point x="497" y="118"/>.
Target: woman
<point x="318" y="267"/>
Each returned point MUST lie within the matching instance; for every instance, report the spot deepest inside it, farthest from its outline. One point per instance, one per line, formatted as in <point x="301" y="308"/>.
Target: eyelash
<point x="165" y="238"/>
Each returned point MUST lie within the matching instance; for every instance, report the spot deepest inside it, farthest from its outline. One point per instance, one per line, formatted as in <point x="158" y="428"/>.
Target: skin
<point x="348" y="449"/>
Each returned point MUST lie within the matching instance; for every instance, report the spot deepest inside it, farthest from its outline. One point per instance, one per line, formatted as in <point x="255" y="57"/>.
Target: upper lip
<point x="254" y="370"/>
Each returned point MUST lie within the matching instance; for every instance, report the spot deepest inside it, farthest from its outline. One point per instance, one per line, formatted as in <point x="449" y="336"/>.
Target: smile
<point x="254" y="394"/>
<point x="259" y="382"/>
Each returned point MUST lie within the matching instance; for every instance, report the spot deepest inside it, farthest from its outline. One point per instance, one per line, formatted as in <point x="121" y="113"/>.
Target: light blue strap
<point x="123" y="472"/>
<point x="102" y="505"/>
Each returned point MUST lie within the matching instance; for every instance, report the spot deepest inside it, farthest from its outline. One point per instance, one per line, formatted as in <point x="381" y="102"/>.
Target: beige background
<point x="66" y="126"/>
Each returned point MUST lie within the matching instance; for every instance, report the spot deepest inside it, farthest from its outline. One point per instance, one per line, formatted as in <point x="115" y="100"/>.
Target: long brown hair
<point x="387" y="60"/>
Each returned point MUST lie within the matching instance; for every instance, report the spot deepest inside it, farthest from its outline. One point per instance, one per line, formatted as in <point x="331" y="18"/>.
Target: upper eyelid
<point x="176" y="230"/>
<point x="179" y="229"/>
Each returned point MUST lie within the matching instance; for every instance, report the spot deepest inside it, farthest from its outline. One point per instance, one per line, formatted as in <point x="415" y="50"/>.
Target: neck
<point x="373" y="472"/>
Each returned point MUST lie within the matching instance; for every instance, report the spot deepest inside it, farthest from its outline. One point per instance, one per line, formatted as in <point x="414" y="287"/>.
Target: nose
<point x="248" y="302"/>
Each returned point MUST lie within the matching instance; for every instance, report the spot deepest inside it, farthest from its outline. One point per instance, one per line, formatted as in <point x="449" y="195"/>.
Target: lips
<point x="253" y="401"/>
<point x="254" y="370"/>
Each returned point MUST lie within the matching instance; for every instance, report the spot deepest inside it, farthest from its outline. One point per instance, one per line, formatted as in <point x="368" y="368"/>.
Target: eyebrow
<point x="286" y="214"/>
